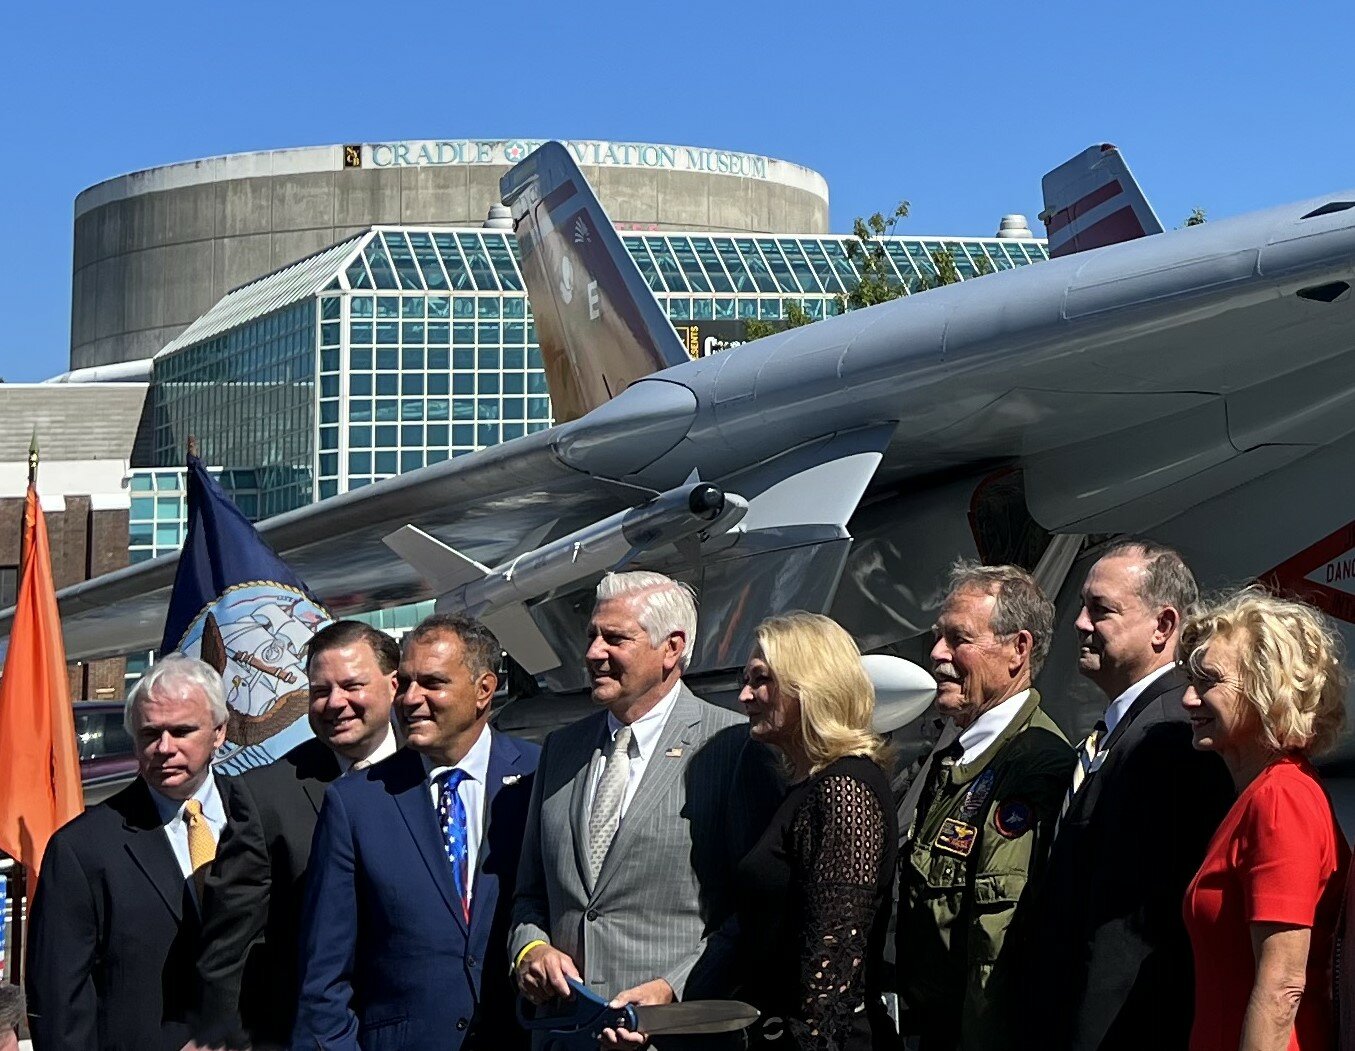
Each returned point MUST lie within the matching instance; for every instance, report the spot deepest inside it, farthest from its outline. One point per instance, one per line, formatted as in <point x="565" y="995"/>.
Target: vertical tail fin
<point x="599" y="327"/>
<point x="1093" y="200"/>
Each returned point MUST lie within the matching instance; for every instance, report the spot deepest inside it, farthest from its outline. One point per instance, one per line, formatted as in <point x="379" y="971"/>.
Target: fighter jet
<point x="1195" y="385"/>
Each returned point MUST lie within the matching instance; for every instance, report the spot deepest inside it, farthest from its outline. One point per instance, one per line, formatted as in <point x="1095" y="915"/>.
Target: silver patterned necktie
<point x="606" y="813"/>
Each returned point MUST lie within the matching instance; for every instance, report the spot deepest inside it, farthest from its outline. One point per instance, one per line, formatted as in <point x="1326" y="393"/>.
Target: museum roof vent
<point x="499" y="218"/>
<point x="1014" y="227"/>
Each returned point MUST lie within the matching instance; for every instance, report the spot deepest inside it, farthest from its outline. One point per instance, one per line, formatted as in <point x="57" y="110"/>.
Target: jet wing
<point x="1129" y="384"/>
<point x="491" y="504"/>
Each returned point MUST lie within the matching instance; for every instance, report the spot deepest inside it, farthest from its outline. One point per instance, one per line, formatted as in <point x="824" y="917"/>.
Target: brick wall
<point x="85" y="544"/>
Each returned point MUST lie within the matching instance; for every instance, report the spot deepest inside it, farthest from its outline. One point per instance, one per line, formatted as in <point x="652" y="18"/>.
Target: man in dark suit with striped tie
<point x="1109" y="963"/>
<point x="405" y="924"/>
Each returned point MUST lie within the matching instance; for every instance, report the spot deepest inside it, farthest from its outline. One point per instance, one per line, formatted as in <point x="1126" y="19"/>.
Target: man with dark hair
<point x="11" y="1014"/>
<point x="405" y="922"/>
<point x="1107" y="956"/>
<point x="976" y="819"/>
<point x="247" y="970"/>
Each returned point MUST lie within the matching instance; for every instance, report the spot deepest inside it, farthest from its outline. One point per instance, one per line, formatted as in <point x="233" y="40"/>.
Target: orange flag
<point x="39" y="761"/>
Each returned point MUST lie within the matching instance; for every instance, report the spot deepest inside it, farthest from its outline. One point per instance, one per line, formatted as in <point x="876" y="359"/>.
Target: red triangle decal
<point x="1323" y="574"/>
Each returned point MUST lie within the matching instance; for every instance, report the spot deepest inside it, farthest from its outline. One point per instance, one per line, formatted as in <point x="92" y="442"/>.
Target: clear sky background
<point x="957" y="107"/>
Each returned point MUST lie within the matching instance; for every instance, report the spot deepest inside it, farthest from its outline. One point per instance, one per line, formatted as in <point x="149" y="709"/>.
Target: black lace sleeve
<point x="839" y="845"/>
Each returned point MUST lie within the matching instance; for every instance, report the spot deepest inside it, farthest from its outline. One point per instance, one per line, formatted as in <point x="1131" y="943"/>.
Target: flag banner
<point x="39" y="759"/>
<point x="240" y="608"/>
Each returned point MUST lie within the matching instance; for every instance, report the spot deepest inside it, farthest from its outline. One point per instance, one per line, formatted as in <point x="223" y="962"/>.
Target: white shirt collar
<point x="475" y="762"/>
<point x="384" y="750"/>
<point x="983" y="731"/>
<point x="1122" y="703"/>
<point x="649" y="726"/>
<point x="212" y="807"/>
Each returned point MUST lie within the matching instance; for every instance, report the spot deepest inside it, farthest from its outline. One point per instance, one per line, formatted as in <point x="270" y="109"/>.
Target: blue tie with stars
<point x="452" y="815"/>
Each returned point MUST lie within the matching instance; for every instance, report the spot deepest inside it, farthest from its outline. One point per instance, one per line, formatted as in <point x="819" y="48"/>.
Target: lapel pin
<point x="512" y="779"/>
<point x="673" y="753"/>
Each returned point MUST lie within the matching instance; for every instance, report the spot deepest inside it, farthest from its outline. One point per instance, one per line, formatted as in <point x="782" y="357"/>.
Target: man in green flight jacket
<point x="978" y="817"/>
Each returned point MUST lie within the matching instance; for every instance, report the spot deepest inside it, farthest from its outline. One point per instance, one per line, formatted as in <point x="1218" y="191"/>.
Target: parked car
<point x="107" y="755"/>
<point x="107" y="761"/>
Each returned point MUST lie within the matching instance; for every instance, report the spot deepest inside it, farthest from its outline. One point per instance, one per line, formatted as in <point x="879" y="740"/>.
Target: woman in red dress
<point x="1267" y="690"/>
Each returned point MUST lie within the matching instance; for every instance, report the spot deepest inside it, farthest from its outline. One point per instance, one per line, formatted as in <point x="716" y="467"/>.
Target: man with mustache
<point x="1109" y="958"/>
<point x="975" y="823"/>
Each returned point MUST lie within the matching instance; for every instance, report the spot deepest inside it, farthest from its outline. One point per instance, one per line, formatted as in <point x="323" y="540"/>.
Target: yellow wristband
<point x="526" y="949"/>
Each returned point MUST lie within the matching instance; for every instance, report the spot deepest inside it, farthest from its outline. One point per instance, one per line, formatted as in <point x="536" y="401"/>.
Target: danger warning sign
<point x="1323" y="574"/>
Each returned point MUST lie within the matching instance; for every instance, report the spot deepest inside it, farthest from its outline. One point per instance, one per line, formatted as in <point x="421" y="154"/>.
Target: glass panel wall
<point x="423" y="348"/>
<point x="249" y="397"/>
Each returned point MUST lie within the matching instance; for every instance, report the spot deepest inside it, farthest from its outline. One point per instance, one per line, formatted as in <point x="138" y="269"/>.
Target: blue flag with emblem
<point x="242" y="609"/>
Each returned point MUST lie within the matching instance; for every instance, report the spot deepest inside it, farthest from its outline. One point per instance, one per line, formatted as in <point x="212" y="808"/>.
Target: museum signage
<point x="441" y="152"/>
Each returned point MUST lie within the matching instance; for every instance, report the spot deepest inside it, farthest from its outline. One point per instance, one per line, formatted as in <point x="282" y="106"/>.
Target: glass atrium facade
<point x="401" y="347"/>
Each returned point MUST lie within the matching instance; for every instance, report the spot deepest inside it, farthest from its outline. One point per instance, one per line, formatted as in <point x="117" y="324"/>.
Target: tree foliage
<point x="793" y="316"/>
<point x="878" y="283"/>
<point x="944" y="270"/>
<point x="1197" y="217"/>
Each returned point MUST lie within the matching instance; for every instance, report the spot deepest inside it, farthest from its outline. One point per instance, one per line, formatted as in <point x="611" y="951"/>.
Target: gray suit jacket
<point x="666" y="885"/>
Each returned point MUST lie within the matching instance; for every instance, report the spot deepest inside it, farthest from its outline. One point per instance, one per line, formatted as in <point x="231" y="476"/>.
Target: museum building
<point x="324" y="318"/>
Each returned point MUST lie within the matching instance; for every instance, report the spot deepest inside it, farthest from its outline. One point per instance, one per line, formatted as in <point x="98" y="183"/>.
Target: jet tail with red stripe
<point x="1093" y="200"/>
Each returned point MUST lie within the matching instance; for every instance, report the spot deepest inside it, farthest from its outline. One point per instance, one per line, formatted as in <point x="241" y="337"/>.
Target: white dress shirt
<point x="984" y="730"/>
<point x="383" y="751"/>
<point x="175" y="821"/>
<point x="647" y="730"/>
<point x="1125" y="701"/>
<point x="471" y="791"/>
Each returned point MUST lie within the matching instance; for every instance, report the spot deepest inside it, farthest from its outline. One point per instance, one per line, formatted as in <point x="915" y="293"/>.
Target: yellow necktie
<point x="201" y="843"/>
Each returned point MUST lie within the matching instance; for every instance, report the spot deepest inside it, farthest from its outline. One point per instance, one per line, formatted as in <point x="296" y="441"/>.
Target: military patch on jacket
<point x="957" y="837"/>
<point x="977" y="796"/>
<point x="1013" y="819"/>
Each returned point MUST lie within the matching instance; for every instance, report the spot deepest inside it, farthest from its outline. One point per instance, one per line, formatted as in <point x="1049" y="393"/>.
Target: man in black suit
<point x="114" y="927"/>
<point x="1110" y="964"/>
<point x="247" y="971"/>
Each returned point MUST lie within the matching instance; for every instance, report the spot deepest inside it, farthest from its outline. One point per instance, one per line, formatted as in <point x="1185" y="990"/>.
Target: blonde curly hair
<point x="813" y="658"/>
<point x="1290" y="659"/>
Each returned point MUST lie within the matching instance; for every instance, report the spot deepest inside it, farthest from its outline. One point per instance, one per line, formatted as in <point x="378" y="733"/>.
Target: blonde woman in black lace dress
<point x="812" y="895"/>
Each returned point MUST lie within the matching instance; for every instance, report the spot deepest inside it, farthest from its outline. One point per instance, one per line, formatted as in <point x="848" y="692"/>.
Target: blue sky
<point x="960" y="108"/>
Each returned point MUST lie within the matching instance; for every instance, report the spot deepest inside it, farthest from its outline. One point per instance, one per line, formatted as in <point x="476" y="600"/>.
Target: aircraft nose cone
<point x="630" y="432"/>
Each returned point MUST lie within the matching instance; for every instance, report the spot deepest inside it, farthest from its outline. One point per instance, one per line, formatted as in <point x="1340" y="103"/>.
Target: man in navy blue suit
<point x="405" y="925"/>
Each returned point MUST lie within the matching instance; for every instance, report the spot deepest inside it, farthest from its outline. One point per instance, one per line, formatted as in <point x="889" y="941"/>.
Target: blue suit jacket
<point x="387" y="958"/>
